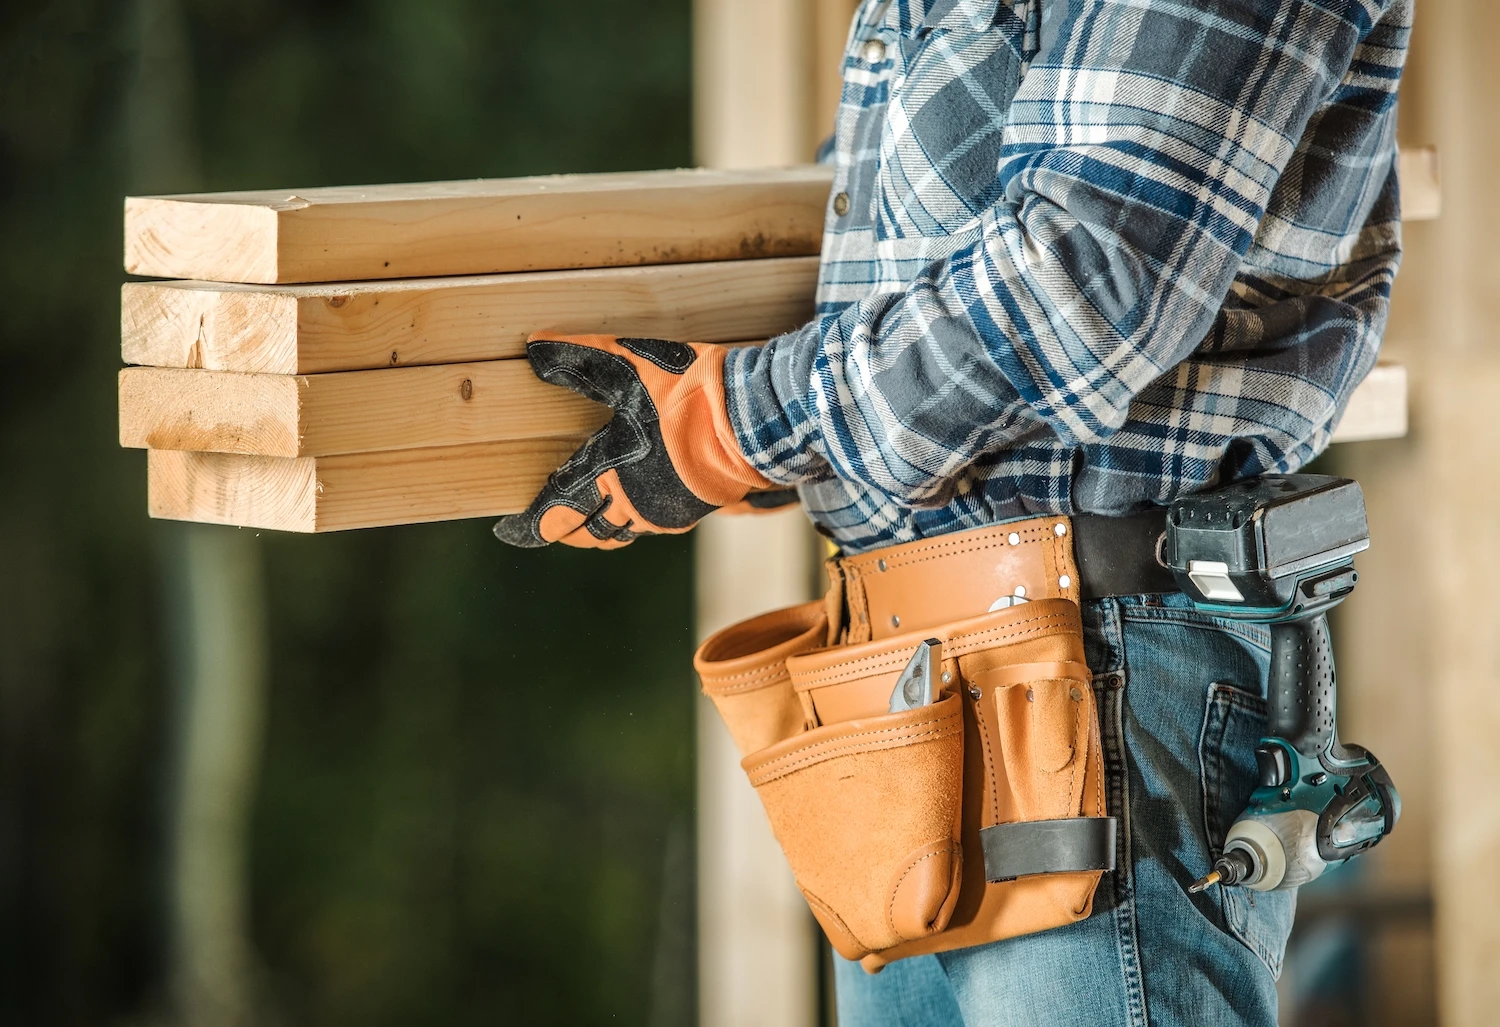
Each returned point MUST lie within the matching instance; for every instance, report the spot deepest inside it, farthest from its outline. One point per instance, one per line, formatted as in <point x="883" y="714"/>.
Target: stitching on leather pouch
<point x="986" y="636"/>
<point x="994" y="635"/>
<point x="989" y="760"/>
<point x="927" y="554"/>
<point x="815" y="901"/>
<point x="890" y="913"/>
<point x="745" y="686"/>
<point x="744" y="681"/>
<point x="821" y="751"/>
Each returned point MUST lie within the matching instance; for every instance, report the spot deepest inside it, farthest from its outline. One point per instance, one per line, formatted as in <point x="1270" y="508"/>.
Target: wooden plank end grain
<point x="209" y="325"/>
<point x="207" y="410"/>
<point x="347" y="412"/>
<point x="238" y="240"/>
<point x="362" y="490"/>
<point x="1378" y="408"/>
<point x="311" y="329"/>
<point x="484" y="226"/>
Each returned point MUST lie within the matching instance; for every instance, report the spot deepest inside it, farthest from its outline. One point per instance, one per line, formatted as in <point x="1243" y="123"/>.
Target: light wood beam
<point x="308" y="329"/>
<point x="360" y="490"/>
<point x="1421" y="184"/>
<point x="1377" y="410"/>
<point x="450" y="405"/>
<point x="477" y="227"/>
<point x="347" y="412"/>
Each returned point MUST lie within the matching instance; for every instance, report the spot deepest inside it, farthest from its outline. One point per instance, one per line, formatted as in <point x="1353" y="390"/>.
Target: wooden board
<point x="347" y="412"/>
<point x="1421" y="185"/>
<point x="309" y="329"/>
<point x="1377" y="410"/>
<point x="362" y="490"/>
<point x="478" y="227"/>
<point x="451" y="405"/>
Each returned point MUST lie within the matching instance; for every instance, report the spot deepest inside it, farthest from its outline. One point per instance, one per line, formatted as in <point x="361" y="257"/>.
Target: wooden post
<point x="759" y="102"/>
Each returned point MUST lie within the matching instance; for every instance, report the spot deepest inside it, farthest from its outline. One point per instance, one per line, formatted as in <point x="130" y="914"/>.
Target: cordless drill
<point x="1279" y="550"/>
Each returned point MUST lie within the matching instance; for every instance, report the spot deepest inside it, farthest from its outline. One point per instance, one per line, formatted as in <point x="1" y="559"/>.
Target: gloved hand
<point x="666" y="460"/>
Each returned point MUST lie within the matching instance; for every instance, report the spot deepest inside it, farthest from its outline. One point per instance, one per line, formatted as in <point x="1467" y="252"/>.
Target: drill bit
<point x="1205" y="882"/>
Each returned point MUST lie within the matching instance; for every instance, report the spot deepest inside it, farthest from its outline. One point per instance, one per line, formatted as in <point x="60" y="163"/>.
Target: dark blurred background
<point x="445" y="821"/>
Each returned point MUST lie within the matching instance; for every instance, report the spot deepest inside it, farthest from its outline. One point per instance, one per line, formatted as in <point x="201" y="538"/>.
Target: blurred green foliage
<point x="476" y="796"/>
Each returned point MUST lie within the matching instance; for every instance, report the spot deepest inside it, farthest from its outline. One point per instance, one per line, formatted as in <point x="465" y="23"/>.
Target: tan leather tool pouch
<point x="880" y="815"/>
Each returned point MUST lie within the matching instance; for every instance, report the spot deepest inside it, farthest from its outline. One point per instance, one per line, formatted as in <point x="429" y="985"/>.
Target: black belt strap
<point x="1048" y="847"/>
<point x="1117" y="556"/>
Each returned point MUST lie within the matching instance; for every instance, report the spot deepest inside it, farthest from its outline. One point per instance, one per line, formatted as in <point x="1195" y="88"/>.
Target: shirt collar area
<point x="951" y="14"/>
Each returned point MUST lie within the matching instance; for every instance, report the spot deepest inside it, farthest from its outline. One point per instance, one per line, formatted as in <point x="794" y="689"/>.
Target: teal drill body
<point x="1279" y="551"/>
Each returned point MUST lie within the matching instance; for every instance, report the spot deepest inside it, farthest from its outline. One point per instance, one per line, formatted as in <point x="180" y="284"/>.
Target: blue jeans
<point x="1181" y="704"/>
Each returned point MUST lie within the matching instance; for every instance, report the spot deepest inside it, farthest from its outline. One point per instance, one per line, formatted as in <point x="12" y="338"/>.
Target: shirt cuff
<point x="771" y="407"/>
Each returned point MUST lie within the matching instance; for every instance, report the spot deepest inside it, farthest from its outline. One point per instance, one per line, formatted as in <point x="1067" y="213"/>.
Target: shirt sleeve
<point x="1138" y="159"/>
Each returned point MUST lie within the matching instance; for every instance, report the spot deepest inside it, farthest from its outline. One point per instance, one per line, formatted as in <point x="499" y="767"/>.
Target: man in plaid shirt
<point x="1081" y="256"/>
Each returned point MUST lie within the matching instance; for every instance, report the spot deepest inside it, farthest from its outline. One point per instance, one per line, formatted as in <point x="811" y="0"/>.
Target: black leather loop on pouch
<point x="1073" y="845"/>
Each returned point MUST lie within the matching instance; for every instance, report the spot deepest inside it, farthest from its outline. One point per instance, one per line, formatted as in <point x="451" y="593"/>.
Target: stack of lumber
<point x="346" y="358"/>
<point x="354" y="357"/>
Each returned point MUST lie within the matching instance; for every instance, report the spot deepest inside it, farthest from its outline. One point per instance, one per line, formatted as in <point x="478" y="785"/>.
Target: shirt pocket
<point x="938" y="162"/>
<point x="1235" y="722"/>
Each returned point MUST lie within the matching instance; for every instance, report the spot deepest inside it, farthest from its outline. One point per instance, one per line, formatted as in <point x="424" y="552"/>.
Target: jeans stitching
<point x="1117" y="767"/>
<point x="1255" y="634"/>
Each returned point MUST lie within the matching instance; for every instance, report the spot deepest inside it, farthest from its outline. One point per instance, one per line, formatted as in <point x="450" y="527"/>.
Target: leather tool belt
<point x="978" y="817"/>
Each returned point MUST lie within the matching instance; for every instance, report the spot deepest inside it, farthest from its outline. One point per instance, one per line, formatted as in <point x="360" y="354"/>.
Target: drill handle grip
<point x="1303" y="687"/>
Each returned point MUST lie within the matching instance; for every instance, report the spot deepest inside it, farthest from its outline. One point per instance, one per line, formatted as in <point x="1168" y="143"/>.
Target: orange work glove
<point x="666" y="460"/>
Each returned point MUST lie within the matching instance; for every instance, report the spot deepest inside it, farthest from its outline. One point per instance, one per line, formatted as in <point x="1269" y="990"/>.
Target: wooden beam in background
<point x="478" y="227"/>
<point x="1421" y="185"/>
<point x="309" y="329"/>
<point x="361" y="490"/>
<point x="1377" y="410"/>
<point x="347" y="412"/>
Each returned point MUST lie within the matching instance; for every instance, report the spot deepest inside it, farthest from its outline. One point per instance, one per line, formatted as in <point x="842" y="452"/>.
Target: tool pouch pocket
<point x="868" y="813"/>
<point x="743" y="670"/>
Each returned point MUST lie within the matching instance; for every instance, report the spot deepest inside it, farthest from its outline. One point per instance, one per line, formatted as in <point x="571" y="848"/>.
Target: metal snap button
<point x="841" y="204"/>
<point x="874" y="51"/>
<point x="1076" y="695"/>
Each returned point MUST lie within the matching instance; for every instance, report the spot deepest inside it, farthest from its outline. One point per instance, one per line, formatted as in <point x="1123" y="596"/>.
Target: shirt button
<point x="874" y="51"/>
<point x="841" y="204"/>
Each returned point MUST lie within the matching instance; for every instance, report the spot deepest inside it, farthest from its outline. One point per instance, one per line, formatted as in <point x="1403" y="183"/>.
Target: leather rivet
<point x="1061" y="530"/>
<point x="895" y="621"/>
<point x="1030" y="695"/>
<point x="881" y="565"/>
<point x="1021" y="591"/>
<point x="1014" y="539"/>
<point x="947" y="677"/>
<point x="1076" y="695"/>
<point x="975" y="693"/>
<point x="1064" y="582"/>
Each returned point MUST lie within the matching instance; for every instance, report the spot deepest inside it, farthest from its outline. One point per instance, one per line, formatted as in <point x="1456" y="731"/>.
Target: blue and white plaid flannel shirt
<point x="1084" y="255"/>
